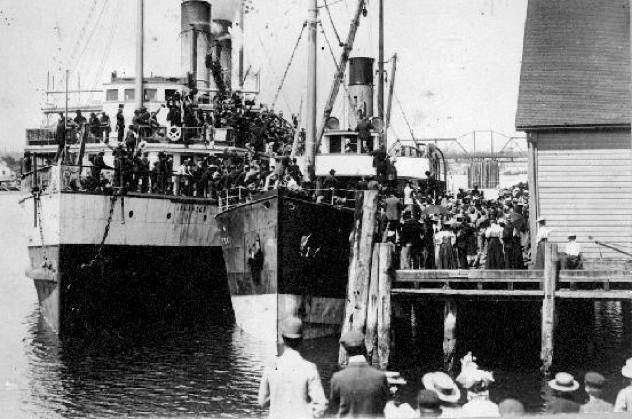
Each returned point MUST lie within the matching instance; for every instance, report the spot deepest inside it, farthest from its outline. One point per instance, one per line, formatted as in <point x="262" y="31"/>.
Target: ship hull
<point x="301" y="271"/>
<point x="159" y="263"/>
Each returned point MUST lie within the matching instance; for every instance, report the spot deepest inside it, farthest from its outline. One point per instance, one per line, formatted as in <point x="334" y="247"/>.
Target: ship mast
<point x="138" y="94"/>
<point x="342" y="66"/>
<point x="310" y="140"/>
<point x="380" y="67"/>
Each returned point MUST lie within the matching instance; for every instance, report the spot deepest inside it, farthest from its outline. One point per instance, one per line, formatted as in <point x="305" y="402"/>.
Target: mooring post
<point x="449" y="334"/>
<point x="548" y="305"/>
<point x="360" y="265"/>
<point x="370" y="340"/>
<point x="385" y="277"/>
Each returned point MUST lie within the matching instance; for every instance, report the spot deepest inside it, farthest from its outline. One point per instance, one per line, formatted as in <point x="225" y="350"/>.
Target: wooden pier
<point x="548" y="286"/>
<point x="374" y="281"/>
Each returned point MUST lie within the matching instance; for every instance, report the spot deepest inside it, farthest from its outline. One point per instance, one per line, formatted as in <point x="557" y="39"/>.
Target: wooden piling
<point x="385" y="277"/>
<point x="449" y="334"/>
<point x="372" y="309"/>
<point x="360" y="264"/>
<point x="548" y="305"/>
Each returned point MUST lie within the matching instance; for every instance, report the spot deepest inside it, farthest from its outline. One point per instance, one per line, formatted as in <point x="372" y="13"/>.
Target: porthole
<point x="168" y="216"/>
<point x="267" y="205"/>
<point x="131" y="214"/>
<point x="205" y="217"/>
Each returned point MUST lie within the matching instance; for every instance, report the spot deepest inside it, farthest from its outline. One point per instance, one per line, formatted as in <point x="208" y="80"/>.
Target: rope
<point x="412" y="135"/>
<point x="344" y="85"/>
<point x="333" y="26"/>
<point x="82" y="33"/>
<point x="106" y="53"/>
<point x="267" y="56"/>
<point x="289" y="64"/>
<point x="89" y="37"/>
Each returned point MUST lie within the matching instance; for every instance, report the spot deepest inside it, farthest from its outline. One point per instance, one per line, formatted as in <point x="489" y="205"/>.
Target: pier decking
<point x="511" y="284"/>
<point x="376" y="285"/>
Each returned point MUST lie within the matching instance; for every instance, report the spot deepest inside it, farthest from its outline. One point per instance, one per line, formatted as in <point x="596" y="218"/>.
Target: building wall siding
<point x="584" y="182"/>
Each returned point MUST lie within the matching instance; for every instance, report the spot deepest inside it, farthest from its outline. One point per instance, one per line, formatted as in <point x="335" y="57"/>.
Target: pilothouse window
<point x="111" y="95"/>
<point x="150" y="95"/>
<point x="129" y="95"/>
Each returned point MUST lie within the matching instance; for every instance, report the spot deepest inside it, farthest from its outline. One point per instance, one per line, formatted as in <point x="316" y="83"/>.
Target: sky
<point x="458" y="64"/>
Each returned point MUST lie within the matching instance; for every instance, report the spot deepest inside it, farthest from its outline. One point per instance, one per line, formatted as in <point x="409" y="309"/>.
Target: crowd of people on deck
<point x="291" y="388"/>
<point x="255" y="128"/>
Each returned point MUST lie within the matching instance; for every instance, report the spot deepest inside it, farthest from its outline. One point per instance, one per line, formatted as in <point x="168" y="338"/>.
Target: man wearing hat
<point x="574" y="258"/>
<point x="563" y="386"/>
<point x="330" y="184"/>
<point x="359" y="389"/>
<point x="290" y="385"/>
<point x="477" y="383"/>
<point x="446" y="390"/>
<point x="594" y="384"/>
<point x="624" y="398"/>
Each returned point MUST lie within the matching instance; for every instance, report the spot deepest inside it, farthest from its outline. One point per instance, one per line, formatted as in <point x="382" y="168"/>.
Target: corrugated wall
<point x="584" y="184"/>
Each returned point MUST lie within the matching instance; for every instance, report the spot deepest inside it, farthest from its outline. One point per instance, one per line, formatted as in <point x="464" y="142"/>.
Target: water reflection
<point x="214" y="369"/>
<point x="506" y="338"/>
<point x="200" y="370"/>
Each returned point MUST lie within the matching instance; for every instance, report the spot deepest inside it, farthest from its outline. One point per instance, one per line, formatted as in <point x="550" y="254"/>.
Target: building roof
<point x="575" y="64"/>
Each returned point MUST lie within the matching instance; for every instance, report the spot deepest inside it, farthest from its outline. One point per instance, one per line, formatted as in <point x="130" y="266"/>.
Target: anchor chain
<point x="98" y="257"/>
<point x="45" y="263"/>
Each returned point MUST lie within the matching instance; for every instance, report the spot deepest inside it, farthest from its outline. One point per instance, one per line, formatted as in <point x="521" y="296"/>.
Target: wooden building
<point x="574" y="105"/>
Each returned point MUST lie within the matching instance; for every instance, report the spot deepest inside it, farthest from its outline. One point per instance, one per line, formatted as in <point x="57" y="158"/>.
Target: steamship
<point x="286" y="253"/>
<point x="102" y="258"/>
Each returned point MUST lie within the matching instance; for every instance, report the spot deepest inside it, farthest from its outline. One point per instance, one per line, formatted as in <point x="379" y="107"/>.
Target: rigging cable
<point x="344" y="86"/>
<point x="412" y="135"/>
<point x="82" y="33"/>
<point x="267" y="56"/>
<point x="76" y="63"/>
<point x="106" y="52"/>
<point x="333" y="26"/>
<point x="289" y="64"/>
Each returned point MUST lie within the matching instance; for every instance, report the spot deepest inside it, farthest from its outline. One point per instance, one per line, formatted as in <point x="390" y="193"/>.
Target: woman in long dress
<point x="446" y="240"/>
<point x="541" y="239"/>
<point x="495" y="255"/>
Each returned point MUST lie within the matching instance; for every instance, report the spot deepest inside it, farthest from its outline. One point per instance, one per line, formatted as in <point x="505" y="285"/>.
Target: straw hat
<point x="472" y="376"/>
<point x="564" y="382"/>
<point x="394" y="378"/>
<point x="626" y="371"/>
<point x="443" y="385"/>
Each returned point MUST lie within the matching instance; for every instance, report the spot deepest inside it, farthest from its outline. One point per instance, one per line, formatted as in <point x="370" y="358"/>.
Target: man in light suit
<point x="359" y="390"/>
<point x="290" y="385"/>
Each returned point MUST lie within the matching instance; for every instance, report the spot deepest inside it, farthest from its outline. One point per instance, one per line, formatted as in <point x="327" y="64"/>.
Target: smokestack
<point x="195" y="40"/>
<point x="361" y="84"/>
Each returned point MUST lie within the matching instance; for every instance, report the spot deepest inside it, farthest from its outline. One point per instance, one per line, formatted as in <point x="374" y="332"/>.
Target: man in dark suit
<point x="359" y="390"/>
<point x="563" y="401"/>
